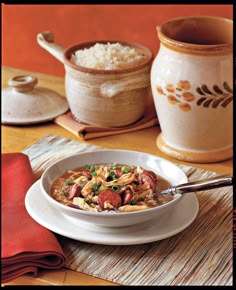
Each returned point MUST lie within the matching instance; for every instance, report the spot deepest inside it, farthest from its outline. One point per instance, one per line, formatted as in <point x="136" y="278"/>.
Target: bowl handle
<point x="111" y="88"/>
<point x="46" y="40"/>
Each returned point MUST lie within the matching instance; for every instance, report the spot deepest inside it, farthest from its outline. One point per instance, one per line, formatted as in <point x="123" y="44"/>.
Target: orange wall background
<point x="72" y="24"/>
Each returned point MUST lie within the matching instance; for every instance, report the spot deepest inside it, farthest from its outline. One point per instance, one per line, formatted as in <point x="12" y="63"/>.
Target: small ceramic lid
<point x="25" y="103"/>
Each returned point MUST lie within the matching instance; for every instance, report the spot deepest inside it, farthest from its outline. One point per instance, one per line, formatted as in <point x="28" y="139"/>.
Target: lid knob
<point x="23" y="84"/>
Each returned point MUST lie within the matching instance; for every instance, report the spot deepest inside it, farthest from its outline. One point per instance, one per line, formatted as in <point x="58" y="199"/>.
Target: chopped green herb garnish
<point x="64" y="193"/>
<point x="88" y="200"/>
<point x="86" y="166"/>
<point x="133" y="202"/>
<point x="126" y="169"/>
<point x="68" y="182"/>
<point x="112" y="175"/>
<point x="95" y="187"/>
<point x="94" y="173"/>
<point x="92" y="168"/>
<point x="115" y="187"/>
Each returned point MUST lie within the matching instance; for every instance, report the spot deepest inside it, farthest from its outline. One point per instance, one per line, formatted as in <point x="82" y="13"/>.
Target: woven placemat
<point x="200" y="255"/>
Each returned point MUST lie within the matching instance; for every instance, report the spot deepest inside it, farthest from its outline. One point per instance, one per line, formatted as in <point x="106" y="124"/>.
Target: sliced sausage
<point x="118" y="172"/>
<point x="128" y="195"/>
<point x="151" y="173"/>
<point x="87" y="173"/>
<point x="149" y="177"/>
<point x="72" y="205"/>
<point x="109" y="196"/>
<point x="73" y="191"/>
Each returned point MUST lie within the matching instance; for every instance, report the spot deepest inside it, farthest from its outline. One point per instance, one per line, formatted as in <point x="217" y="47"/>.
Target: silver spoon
<point x="205" y="184"/>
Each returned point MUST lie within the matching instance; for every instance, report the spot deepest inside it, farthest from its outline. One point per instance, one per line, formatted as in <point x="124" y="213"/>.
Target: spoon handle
<point x="205" y="184"/>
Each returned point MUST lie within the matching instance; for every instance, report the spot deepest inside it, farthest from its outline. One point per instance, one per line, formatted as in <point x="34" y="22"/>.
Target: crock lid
<point x="25" y="103"/>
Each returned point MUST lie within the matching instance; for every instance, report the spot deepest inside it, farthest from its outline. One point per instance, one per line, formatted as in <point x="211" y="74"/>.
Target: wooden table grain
<point x="17" y="138"/>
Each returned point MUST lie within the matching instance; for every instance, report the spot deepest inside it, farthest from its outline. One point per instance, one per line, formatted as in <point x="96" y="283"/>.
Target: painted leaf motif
<point x="217" y="90"/>
<point x="200" y="101"/>
<point x="171" y="99"/>
<point x="207" y="103"/>
<point x="227" y="101"/>
<point x="216" y="103"/>
<point x="206" y="90"/>
<point x="215" y="97"/>
<point x="200" y="91"/>
<point x="227" y="87"/>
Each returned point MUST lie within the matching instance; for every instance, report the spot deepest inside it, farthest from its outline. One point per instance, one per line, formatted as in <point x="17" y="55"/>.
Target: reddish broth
<point x="109" y="187"/>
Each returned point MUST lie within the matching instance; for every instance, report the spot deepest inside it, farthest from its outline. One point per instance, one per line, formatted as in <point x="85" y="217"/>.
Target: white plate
<point x="172" y="223"/>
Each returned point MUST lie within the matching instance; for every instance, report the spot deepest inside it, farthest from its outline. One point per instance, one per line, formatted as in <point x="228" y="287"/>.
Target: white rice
<point x="109" y="56"/>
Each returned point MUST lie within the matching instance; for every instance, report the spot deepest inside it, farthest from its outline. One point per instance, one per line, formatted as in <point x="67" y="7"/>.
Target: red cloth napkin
<point x="26" y="245"/>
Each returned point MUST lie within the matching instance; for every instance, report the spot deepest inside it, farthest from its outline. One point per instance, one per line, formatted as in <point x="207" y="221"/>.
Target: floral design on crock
<point x="182" y="96"/>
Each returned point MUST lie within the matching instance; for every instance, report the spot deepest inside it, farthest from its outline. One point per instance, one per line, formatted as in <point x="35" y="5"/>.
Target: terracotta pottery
<point x="102" y="97"/>
<point x="192" y="86"/>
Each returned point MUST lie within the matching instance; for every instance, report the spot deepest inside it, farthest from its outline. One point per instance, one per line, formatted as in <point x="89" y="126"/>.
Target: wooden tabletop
<point x="16" y="138"/>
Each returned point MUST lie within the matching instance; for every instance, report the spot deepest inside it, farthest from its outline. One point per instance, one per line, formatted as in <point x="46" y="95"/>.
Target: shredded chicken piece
<point x="123" y="180"/>
<point x="103" y="172"/>
<point x="107" y="205"/>
<point x="88" y="188"/>
<point x="83" y="204"/>
<point x="82" y="180"/>
<point x="128" y="207"/>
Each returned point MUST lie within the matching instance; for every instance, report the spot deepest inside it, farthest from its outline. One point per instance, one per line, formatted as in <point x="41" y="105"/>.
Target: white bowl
<point x="168" y="170"/>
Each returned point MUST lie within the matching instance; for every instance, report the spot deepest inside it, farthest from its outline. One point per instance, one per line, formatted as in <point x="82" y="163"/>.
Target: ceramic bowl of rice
<point x="107" y="82"/>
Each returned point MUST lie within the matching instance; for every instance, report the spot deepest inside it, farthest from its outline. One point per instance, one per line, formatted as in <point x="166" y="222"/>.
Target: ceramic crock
<point x="102" y="97"/>
<point x="24" y="102"/>
<point x="192" y="87"/>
